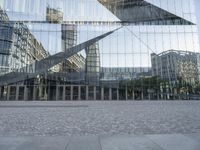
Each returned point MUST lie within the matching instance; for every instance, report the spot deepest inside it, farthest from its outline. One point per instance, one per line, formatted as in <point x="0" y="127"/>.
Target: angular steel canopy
<point x="141" y="11"/>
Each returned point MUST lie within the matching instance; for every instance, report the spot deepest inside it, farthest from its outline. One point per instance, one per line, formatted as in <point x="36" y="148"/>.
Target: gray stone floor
<point x="100" y="125"/>
<point x="99" y="118"/>
<point x="130" y="142"/>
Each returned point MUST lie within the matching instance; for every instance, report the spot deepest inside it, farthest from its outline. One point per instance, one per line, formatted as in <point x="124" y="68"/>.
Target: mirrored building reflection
<point x="99" y="50"/>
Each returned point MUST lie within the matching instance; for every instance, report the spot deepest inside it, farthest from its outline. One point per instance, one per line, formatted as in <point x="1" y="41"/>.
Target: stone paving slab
<point x="10" y="143"/>
<point x="84" y="143"/>
<point x="130" y="142"/>
<point x="175" y="142"/>
<point x="33" y="143"/>
<point x="194" y="136"/>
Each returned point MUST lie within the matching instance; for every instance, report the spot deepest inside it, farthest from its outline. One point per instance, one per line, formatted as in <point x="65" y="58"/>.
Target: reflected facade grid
<point x="99" y="50"/>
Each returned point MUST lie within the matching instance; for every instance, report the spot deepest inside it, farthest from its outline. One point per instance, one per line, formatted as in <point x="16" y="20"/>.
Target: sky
<point x="198" y="14"/>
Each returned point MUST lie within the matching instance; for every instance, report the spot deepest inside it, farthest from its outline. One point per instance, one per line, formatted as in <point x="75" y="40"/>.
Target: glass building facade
<point x="99" y="50"/>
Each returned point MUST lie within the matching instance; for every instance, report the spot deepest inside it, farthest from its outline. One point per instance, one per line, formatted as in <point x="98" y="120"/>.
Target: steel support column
<point x="126" y="93"/>
<point x="34" y="92"/>
<point x="86" y="92"/>
<point x="110" y="93"/>
<point x="117" y="94"/>
<point x="79" y="92"/>
<point x="57" y="92"/>
<point x="64" y="93"/>
<point x="25" y="93"/>
<point x="95" y="94"/>
<point x="102" y="93"/>
<point x="17" y="93"/>
<point x="8" y="93"/>
<point x="71" y="93"/>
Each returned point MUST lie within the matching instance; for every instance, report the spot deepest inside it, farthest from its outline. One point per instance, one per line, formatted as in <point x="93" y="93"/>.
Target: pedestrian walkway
<point x="130" y="142"/>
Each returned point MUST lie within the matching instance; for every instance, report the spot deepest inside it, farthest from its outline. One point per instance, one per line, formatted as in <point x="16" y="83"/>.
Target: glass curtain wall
<point x="149" y="49"/>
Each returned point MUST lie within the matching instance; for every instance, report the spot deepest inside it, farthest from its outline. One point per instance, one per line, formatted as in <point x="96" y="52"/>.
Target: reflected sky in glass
<point x="130" y="46"/>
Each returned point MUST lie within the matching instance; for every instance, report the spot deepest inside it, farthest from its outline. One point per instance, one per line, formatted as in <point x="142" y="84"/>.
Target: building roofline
<point x="175" y="51"/>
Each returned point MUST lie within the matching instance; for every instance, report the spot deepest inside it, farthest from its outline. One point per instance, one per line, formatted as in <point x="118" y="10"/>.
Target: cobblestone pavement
<point x="99" y="118"/>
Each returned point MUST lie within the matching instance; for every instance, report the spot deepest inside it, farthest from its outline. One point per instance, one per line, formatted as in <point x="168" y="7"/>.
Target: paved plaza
<point x="104" y="125"/>
<point x="128" y="142"/>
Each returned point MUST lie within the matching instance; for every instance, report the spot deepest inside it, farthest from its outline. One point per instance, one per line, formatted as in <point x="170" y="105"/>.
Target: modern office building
<point x="97" y="47"/>
<point x="176" y="65"/>
<point x="3" y="16"/>
<point x="128" y="73"/>
<point x="54" y="15"/>
<point x="93" y="64"/>
<point x="18" y="46"/>
<point x="69" y="39"/>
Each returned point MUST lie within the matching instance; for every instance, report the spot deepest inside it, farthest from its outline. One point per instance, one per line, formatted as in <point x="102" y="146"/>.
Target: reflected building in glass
<point x="99" y="50"/>
<point x="177" y="67"/>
